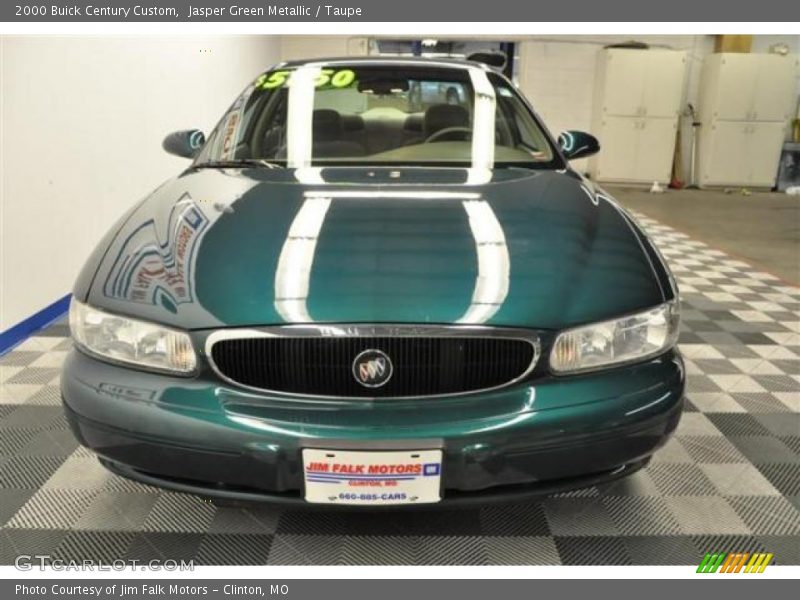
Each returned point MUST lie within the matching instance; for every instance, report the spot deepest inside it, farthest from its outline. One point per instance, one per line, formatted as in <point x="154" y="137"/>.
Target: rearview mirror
<point x="578" y="144"/>
<point x="383" y="87"/>
<point x="185" y="144"/>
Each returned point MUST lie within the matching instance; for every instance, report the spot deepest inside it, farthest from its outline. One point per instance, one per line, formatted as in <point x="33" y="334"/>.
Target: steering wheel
<point x="446" y="131"/>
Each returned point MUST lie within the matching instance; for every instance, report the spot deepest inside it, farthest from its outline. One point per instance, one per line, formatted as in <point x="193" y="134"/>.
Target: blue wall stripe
<point x="21" y="331"/>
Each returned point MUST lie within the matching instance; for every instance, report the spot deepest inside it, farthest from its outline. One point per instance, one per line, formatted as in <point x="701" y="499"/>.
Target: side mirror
<point x="578" y="144"/>
<point x="185" y="144"/>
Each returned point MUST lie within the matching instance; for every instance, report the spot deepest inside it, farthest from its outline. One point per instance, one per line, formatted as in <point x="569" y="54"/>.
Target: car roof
<point x="444" y="62"/>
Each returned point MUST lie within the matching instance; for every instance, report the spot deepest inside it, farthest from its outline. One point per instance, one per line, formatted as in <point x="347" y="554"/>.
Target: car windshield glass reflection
<point x="379" y="114"/>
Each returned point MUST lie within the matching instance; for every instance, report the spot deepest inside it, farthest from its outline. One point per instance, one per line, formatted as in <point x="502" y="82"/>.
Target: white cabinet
<point x="619" y="137"/>
<point x="654" y="152"/>
<point x="764" y="151"/>
<point x="719" y="165"/>
<point x="746" y="102"/>
<point x="747" y="87"/>
<point x="627" y="144"/>
<point x="620" y="82"/>
<point x="742" y="153"/>
<point x="637" y="102"/>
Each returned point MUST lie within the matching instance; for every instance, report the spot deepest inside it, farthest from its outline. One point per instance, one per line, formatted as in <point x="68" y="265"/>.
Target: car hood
<point x="246" y="247"/>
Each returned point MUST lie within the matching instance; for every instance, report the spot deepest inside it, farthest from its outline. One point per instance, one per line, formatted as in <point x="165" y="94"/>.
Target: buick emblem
<point x="372" y="368"/>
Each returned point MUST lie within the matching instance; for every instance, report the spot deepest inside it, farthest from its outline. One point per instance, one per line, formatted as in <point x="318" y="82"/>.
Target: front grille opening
<point x="422" y="366"/>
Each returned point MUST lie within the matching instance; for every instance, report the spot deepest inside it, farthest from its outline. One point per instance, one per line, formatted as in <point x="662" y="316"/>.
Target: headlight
<point x="623" y="340"/>
<point x="120" y="339"/>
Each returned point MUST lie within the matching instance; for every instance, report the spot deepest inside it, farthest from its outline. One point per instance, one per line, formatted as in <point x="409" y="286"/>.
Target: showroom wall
<point x="557" y="71"/>
<point x="557" y="74"/>
<point x="294" y="47"/>
<point x="80" y="140"/>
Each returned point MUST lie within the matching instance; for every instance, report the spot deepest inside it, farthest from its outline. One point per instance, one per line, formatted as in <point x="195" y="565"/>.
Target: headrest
<point x="327" y="124"/>
<point x="414" y="123"/>
<point x="443" y="116"/>
<point x="352" y="122"/>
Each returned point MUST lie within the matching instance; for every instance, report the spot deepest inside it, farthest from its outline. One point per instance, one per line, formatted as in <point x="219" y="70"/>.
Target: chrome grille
<point x="426" y="360"/>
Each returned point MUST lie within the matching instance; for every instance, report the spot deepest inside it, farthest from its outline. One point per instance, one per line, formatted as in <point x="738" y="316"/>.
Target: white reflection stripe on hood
<point x="394" y="194"/>
<point x="494" y="263"/>
<point x="293" y="274"/>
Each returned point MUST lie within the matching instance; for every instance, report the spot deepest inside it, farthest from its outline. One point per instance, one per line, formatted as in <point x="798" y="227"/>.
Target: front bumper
<point x="202" y="436"/>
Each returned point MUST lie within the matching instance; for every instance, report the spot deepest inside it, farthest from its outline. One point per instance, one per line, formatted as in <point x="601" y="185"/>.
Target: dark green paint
<point x="400" y="260"/>
<point x="541" y="430"/>
<point x="575" y="257"/>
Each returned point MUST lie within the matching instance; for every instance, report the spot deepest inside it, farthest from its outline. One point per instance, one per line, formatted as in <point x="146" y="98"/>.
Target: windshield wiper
<point x="237" y="163"/>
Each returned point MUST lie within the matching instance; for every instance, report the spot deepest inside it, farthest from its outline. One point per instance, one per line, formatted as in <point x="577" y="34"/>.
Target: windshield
<point x="380" y="114"/>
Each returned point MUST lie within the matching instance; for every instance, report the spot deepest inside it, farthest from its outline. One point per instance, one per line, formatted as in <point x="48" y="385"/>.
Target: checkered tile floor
<point x="729" y="479"/>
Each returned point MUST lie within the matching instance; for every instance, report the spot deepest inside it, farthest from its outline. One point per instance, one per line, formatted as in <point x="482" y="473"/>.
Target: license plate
<point x="372" y="478"/>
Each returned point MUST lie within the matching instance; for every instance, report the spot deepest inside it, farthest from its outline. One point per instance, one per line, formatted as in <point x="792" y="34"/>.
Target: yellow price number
<point x="327" y="78"/>
<point x="336" y="79"/>
<point x="270" y="81"/>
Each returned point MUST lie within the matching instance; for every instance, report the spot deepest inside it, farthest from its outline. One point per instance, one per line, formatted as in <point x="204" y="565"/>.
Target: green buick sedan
<point x="361" y="292"/>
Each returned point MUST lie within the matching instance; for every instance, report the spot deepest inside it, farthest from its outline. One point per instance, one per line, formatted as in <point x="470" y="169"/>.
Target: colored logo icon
<point x="372" y="368"/>
<point x="735" y="562"/>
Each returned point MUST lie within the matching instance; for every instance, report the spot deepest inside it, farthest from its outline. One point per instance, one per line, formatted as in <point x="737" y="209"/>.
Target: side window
<point x="524" y="131"/>
<point x="517" y="120"/>
<point x="272" y="142"/>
